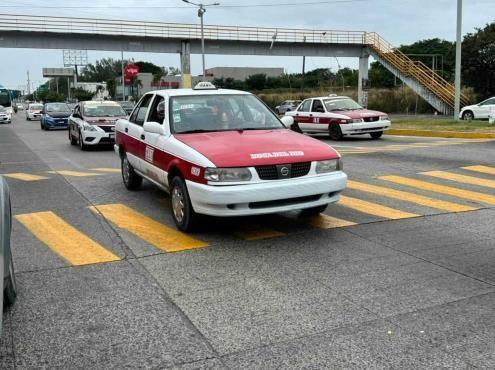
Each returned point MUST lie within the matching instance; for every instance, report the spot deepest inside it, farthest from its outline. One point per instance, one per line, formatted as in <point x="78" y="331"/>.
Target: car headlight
<point x="384" y="118"/>
<point x="329" y="165"/>
<point x="89" y="128"/>
<point x="227" y="174"/>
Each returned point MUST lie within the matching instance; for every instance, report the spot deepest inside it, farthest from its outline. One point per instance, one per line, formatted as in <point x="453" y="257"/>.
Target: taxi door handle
<point x="126" y="129"/>
<point x="142" y="137"/>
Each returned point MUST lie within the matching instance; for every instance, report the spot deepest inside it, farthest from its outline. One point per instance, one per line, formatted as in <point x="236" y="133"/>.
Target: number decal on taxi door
<point x="316" y="119"/>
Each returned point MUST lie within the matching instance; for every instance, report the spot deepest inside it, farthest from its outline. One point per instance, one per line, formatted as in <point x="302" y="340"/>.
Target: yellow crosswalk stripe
<point x="441" y="189"/>
<point x="25" y="176"/>
<point x="107" y="169"/>
<point x="65" y="240"/>
<point x="374" y="209"/>
<point x="328" y="222"/>
<point x="482" y="169"/>
<point x="471" y="180"/>
<point x="155" y="233"/>
<point x="408" y="197"/>
<point x="75" y="173"/>
<point x="257" y="232"/>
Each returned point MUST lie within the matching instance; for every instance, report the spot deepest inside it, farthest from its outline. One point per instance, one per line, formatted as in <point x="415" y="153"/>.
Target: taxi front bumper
<point x="361" y="128"/>
<point x="267" y="197"/>
<point x="98" y="137"/>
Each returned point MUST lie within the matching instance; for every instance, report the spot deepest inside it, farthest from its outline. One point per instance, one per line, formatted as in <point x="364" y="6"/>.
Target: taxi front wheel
<point x="314" y="211"/>
<point x="182" y="211"/>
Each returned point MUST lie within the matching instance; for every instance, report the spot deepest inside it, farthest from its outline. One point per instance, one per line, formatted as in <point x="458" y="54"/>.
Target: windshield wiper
<point x="194" y="131"/>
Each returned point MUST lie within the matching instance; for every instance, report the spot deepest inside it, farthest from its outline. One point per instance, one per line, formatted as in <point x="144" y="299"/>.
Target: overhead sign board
<point x="58" y="72"/>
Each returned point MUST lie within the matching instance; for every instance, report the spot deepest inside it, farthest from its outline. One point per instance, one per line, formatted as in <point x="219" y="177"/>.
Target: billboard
<point x="58" y="72"/>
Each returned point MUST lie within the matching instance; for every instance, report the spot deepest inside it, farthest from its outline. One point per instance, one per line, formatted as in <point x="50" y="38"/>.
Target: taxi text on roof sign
<point x="204" y="85"/>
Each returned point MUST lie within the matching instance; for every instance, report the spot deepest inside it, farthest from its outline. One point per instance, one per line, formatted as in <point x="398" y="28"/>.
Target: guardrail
<point x="29" y="23"/>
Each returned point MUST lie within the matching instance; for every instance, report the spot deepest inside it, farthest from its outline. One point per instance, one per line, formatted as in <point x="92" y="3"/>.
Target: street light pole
<point x="201" y="12"/>
<point x="458" y="50"/>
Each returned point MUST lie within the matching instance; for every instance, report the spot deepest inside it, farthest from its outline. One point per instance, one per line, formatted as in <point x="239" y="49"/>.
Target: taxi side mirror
<point x="153" y="128"/>
<point x="288" y="121"/>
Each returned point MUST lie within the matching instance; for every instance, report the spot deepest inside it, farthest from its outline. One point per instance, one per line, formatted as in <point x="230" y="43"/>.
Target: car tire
<point x="28" y="119"/>
<point x="376" y="135"/>
<point x="295" y="127"/>
<point x="10" y="288"/>
<point x="131" y="179"/>
<point x="468" y="115"/>
<point x="72" y="139"/>
<point x="80" y="141"/>
<point x="182" y="211"/>
<point x="335" y="132"/>
<point x="313" y="211"/>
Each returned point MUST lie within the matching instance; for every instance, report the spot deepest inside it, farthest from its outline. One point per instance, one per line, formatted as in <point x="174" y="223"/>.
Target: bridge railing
<point x="28" y="23"/>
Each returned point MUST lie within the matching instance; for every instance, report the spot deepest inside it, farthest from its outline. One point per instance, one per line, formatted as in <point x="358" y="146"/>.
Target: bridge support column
<point x="185" y="64"/>
<point x="363" y="80"/>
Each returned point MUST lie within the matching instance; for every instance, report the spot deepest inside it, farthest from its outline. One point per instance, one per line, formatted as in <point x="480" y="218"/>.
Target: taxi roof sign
<point x="204" y="85"/>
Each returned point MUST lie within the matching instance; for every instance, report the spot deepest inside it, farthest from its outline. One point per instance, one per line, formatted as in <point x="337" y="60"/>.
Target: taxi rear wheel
<point x="132" y="180"/>
<point x="182" y="211"/>
<point x="72" y="139"/>
<point x="295" y="127"/>
<point x="334" y="131"/>
<point x="313" y="211"/>
<point x="376" y="135"/>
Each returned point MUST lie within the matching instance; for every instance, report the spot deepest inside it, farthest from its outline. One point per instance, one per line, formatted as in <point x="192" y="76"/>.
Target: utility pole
<point x="303" y="68"/>
<point x="123" y="80"/>
<point x="458" y="51"/>
<point x="201" y="12"/>
<point x="28" y="84"/>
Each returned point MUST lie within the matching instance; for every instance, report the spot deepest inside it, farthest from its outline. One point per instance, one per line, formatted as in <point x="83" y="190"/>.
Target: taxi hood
<point x="259" y="147"/>
<point x="360" y="113"/>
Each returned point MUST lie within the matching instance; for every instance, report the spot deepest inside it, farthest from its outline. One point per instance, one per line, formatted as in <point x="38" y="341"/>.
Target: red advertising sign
<point x="131" y="71"/>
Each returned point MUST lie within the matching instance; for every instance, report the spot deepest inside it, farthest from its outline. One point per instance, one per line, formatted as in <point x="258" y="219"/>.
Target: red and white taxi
<point x="338" y="116"/>
<point x="224" y="153"/>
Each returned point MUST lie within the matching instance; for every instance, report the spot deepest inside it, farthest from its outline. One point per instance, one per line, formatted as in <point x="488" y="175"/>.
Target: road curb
<point x="445" y="134"/>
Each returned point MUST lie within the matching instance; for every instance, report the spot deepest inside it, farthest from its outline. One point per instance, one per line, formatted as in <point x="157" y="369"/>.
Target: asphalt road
<point x="400" y="274"/>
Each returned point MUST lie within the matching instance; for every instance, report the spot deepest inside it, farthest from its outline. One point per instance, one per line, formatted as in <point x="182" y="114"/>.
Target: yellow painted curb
<point x="446" y="134"/>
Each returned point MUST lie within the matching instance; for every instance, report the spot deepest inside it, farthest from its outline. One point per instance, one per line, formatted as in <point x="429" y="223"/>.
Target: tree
<point x="103" y="70"/>
<point x="81" y="94"/>
<point x="111" y="87"/>
<point x="256" y="81"/>
<point x="478" y="61"/>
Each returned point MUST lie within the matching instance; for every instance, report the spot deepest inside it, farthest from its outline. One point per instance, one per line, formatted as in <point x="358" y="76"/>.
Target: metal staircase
<point x="420" y="78"/>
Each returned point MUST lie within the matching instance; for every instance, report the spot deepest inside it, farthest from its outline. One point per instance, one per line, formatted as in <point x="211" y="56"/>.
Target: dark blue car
<point x="55" y="115"/>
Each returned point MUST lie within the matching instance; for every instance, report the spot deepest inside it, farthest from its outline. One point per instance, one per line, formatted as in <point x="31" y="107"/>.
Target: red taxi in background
<point x="224" y="153"/>
<point x="338" y="116"/>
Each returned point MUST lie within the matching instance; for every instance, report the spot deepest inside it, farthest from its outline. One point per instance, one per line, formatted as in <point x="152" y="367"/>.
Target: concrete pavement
<point x="398" y="277"/>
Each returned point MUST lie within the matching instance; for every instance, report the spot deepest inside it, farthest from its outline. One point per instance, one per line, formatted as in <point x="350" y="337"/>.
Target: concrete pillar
<point x="363" y="83"/>
<point x="185" y="64"/>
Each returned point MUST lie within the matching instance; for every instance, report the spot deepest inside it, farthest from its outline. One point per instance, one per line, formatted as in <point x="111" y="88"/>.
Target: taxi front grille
<point x="107" y="128"/>
<point x="272" y="173"/>
<point x="371" y="119"/>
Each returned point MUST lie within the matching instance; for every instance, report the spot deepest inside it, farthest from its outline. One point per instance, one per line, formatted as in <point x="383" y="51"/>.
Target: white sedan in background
<point x="478" y="111"/>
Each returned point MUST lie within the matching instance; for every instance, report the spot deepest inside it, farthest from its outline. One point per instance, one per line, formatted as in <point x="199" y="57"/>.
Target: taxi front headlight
<point x="87" y="127"/>
<point x="384" y="118"/>
<point x="329" y="165"/>
<point x="227" y="174"/>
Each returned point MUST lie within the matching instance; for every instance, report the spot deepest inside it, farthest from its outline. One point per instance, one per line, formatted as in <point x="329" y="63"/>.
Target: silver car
<point x="287" y="106"/>
<point x="7" y="284"/>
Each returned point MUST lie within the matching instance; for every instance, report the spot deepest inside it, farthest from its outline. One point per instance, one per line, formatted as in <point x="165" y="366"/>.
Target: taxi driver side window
<point x="154" y="115"/>
<point x="305" y="106"/>
<point x="139" y="114"/>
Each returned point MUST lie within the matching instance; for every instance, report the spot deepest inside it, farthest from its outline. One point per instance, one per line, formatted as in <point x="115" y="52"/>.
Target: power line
<point x="185" y="7"/>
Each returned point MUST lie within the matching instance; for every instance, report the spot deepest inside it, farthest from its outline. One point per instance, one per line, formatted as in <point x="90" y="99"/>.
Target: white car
<point x="93" y="122"/>
<point x="5" y="115"/>
<point x="34" y="111"/>
<point x="478" y="111"/>
<point x="338" y="116"/>
<point x="224" y="153"/>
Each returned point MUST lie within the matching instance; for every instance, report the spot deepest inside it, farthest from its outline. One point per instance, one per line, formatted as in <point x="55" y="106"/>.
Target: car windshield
<point x="103" y="110"/>
<point x="341" y="104"/>
<point x="206" y="113"/>
<point x="36" y="107"/>
<point x="57" y="108"/>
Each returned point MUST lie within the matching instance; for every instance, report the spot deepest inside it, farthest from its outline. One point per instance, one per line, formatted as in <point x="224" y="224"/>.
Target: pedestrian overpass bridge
<point x="40" y="32"/>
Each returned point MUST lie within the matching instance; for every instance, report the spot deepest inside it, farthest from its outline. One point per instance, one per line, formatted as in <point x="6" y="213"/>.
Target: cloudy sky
<point x="398" y="21"/>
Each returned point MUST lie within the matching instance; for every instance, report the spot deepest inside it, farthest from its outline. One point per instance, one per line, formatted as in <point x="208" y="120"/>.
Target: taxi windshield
<point x="207" y="113"/>
<point x="103" y="110"/>
<point x="57" y="108"/>
<point x="341" y="104"/>
<point x="36" y="107"/>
